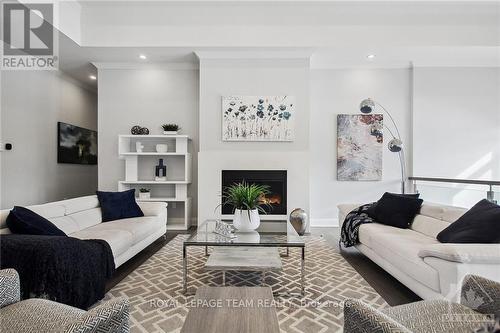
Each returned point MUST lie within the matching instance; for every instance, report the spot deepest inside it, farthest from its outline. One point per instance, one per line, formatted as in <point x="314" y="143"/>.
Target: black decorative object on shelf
<point x="138" y="130"/>
<point x="135" y="130"/>
<point x="161" y="171"/>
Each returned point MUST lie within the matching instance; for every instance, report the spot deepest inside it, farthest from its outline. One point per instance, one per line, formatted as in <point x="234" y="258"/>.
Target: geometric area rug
<point x="158" y="305"/>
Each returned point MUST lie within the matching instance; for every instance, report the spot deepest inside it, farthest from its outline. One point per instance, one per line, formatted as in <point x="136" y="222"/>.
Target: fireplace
<point x="275" y="179"/>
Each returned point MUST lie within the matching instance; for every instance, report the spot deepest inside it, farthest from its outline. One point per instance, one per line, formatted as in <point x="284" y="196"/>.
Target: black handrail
<point x="457" y="181"/>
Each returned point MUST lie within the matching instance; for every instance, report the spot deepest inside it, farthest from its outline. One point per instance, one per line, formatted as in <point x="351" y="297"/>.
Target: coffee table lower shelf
<point x="244" y="258"/>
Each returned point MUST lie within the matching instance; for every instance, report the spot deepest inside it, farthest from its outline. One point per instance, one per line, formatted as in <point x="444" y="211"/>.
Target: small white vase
<point x="246" y="220"/>
<point x="144" y="195"/>
<point x="161" y="148"/>
<point x="170" y="132"/>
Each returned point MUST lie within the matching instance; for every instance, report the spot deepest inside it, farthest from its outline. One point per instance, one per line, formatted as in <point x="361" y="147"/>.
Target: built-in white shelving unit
<point x="140" y="172"/>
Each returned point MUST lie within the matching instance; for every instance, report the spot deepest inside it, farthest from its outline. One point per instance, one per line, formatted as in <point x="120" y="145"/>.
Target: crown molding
<point x="479" y="63"/>
<point x="302" y="53"/>
<point x="135" y="65"/>
<point x="333" y="66"/>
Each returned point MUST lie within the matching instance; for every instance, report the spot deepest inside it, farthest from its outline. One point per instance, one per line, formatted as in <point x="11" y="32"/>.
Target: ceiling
<point x="337" y="34"/>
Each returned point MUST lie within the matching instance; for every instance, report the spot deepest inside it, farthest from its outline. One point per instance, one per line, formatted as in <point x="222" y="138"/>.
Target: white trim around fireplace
<point x="211" y="164"/>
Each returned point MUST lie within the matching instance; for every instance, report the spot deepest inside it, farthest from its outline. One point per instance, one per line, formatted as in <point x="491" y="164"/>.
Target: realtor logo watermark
<point x="29" y="37"/>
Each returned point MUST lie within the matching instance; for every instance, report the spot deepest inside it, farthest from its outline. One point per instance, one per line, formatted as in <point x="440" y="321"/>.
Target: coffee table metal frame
<point x="205" y="237"/>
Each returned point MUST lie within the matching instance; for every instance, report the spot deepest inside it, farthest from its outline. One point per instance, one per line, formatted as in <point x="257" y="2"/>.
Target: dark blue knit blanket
<point x="349" y="235"/>
<point x="63" y="269"/>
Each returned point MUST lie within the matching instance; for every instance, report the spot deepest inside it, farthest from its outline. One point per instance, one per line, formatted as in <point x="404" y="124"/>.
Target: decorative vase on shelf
<point x="161" y="148"/>
<point x="144" y="195"/>
<point x="170" y="132"/>
<point x="160" y="171"/>
<point x="246" y="220"/>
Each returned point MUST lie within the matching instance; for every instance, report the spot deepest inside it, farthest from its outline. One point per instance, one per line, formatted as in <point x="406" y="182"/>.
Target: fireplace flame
<point x="270" y="199"/>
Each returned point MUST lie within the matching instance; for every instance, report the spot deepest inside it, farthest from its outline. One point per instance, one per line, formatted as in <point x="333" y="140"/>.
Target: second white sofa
<point x="418" y="260"/>
<point x="81" y="218"/>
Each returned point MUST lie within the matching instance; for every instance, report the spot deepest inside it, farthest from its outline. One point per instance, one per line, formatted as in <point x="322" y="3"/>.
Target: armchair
<point x="479" y="305"/>
<point x="41" y="315"/>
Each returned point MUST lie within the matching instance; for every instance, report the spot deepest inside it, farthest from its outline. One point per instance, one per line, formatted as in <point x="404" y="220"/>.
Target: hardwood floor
<point x="388" y="287"/>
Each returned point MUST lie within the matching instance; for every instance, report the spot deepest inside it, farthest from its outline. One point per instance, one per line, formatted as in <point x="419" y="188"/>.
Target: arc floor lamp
<point x="395" y="145"/>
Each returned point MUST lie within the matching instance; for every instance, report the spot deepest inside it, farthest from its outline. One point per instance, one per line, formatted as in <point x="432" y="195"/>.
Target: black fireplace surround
<point x="275" y="179"/>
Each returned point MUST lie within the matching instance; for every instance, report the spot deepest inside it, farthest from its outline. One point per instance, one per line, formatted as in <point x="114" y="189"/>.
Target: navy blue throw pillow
<point x="371" y="211"/>
<point x="118" y="205"/>
<point x="396" y="210"/>
<point x="480" y="224"/>
<point x="24" y="221"/>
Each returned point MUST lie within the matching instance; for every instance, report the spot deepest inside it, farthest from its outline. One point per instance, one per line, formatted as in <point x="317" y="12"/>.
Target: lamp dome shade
<point x="395" y="145"/>
<point x="367" y="106"/>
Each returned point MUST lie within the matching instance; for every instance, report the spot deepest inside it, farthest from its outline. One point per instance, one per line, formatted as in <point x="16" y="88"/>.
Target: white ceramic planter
<point x="245" y="220"/>
<point x="161" y="148"/>
<point x="144" y="195"/>
<point x="170" y="132"/>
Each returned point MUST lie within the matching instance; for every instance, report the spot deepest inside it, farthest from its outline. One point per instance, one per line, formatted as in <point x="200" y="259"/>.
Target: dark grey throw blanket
<point x="350" y="228"/>
<point x="63" y="269"/>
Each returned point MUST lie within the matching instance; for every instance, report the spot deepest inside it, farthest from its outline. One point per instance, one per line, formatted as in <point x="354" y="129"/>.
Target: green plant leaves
<point x="245" y="196"/>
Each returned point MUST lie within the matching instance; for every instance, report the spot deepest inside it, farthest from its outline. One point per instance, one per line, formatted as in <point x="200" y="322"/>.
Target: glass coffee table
<point x="269" y="234"/>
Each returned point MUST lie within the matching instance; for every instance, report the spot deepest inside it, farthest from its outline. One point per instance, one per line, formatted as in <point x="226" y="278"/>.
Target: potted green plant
<point x="247" y="201"/>
<point x="144" y="193"/>
<point x="170" y="129"/>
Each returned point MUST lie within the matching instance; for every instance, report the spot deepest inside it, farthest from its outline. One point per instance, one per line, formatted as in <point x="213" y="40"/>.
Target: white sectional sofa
<point x="415" y="257"/>
<point x="81" y="218"/>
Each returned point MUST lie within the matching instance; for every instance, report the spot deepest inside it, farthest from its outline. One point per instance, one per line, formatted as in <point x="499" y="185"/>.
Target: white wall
<point x="150" y="97"/>
<point x="32" y="104"/>
<point x="225" y="77"/>
<point x="456" y="130"/>
<point x="335" y="91"/>
<point x="147" y="97"/>
<point x="252" y="77"/>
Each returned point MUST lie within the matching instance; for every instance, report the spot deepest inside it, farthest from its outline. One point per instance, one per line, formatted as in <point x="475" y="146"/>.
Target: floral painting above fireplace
<point x="359" y="147"/>
<point x="258" y="118"/>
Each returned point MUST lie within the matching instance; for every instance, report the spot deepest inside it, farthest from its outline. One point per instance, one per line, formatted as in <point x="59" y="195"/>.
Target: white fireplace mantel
<point x="211" y="164"/>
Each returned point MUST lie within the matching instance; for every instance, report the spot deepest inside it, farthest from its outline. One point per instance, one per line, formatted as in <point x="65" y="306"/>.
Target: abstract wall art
<point x="76" y="145"/>
<point x="258" y="118"/>
<point x="359" y="147"/>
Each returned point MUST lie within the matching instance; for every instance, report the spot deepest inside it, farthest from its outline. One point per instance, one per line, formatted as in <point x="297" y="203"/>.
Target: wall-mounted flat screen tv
<point x="76" y="145"/>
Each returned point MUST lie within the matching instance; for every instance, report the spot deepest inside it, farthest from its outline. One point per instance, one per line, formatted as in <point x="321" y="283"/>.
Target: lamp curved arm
<point x="401" y="154"/>
<point x="390" y="132"/>
<point x="392" y="119"/>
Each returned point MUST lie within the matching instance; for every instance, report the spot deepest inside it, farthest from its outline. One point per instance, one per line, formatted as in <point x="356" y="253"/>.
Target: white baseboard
<point x="324" y="223"/>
